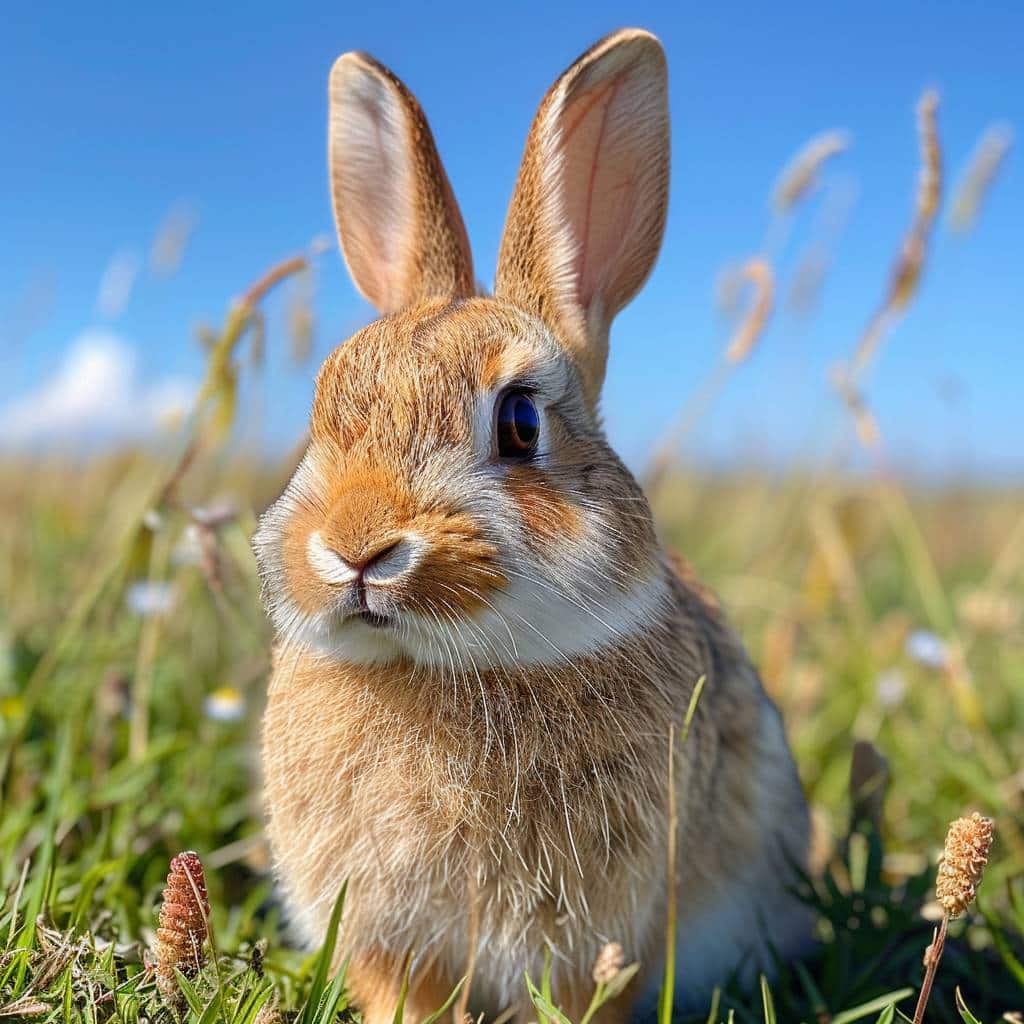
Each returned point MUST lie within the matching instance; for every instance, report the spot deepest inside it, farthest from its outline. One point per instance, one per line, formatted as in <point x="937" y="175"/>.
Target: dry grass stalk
<point x="172" y="238"/>
<point x="184" y="924"/>
<point x="864" y="421"/>
<point x="808" y="278"/>
<point x="301" y="317"/>
<point x="729" y="291"/>
<point x="983" y="168"/>
<point x="906" y="273"/>
<point x="929" y="190"/>
<point x="813" y="264"/>
<point x="269" y="1012"/>
<point x="668" y="981"/>
<point x="27" y="1006"/>
<point x="801" y="173"/>
<point x="961" y="866"/>
<point x="757" y="272"/>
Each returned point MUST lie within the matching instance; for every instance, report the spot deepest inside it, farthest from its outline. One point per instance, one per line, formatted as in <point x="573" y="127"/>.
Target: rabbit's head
<point x="459" y="505"/>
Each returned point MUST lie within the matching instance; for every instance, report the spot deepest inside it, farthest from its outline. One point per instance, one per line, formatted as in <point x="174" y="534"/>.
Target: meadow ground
<point x="134" y="656"/>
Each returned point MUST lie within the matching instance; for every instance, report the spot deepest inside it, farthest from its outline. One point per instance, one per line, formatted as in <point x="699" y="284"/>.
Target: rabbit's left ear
<point x="588" y="212"/>
<point x="400" y="228"/>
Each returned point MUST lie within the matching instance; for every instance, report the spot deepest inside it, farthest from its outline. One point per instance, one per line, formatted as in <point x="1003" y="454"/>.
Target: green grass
<point x="113" y="759"/>
<point x="88" y="827"/>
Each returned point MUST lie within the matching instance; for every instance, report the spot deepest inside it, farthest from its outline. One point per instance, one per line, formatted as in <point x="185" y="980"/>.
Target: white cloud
<point x="96" y="393"/>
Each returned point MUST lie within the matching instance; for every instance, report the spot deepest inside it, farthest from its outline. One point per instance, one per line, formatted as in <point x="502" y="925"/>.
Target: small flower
<point x="890" y="688"/>
<point x="963" y="862"/>
<point x="928" y="649"/>
<point x="148" y="598"/>
<point x="608" y="963"/>
<point x="225" y="704"/>
<point x="184" y="924"/>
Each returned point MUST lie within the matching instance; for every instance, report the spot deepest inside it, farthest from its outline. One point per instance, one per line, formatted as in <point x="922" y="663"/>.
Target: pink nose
<point x="361" y="564"/>
<point x="387" y="563"/>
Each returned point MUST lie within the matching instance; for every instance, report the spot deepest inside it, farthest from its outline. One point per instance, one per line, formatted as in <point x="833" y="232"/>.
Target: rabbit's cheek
<point x="458" y="569"/>
<point x="305" y="587"/>
<point x="548" y="517"/>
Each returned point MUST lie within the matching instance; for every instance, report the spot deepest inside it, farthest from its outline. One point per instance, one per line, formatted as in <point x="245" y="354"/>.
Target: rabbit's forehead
<point x="426" y="371"/>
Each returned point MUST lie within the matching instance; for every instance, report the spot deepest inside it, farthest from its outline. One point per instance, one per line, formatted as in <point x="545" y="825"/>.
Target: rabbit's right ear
<point x="588" y="210"/>
<point x="400" y="229"/>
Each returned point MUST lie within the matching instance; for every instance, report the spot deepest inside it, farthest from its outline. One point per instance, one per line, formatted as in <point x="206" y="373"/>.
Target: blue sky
<point x="113" y="116"/>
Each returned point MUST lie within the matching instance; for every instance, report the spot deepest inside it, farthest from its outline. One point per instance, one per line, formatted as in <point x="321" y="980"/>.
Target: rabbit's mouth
<point x="372" y="618"/>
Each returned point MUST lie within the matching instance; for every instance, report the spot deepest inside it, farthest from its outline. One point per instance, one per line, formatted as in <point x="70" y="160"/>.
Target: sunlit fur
<point x="494" y="535"/>
<point x="473" y="729"/>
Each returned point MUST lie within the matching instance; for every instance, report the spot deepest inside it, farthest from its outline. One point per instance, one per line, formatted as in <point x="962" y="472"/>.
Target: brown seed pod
<point x="910" y="260"/>
<point x="184" y="924"/>
<point x="963" y="862"/>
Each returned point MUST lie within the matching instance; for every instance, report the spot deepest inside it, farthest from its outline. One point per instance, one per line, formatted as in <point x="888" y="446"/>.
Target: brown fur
<point x="532" y="262"/>
<point x="439" y="805"/>
<point x="434" y="257"/>
<point x="486" y="763"/>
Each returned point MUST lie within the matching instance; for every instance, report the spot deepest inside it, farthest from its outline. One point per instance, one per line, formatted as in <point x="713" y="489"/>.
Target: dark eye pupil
<point x="518" y="426"/>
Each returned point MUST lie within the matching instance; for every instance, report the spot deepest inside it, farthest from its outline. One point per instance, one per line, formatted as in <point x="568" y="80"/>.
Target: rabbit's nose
<point x="369" y="565"/>
<point x="387" y="563"/>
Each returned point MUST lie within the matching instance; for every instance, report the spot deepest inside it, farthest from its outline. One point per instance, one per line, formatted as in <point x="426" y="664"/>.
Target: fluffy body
<point x="480" y="661"/>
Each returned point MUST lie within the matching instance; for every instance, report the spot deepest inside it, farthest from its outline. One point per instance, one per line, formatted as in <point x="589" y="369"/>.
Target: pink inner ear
<point x="372" y="186"/>
<point x="602" y="142"/>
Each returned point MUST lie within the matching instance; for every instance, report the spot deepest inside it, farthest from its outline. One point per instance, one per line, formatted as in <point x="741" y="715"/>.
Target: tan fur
<point x="539" y="269"/>
<point x="488" y="768"/>
<point x="428" y="256"/>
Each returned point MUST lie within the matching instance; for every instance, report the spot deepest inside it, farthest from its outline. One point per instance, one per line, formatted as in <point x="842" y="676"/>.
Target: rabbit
<point x="481" y="649"/>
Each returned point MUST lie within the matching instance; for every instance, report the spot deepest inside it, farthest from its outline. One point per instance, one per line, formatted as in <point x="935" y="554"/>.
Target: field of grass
<point x="134" y="656"/>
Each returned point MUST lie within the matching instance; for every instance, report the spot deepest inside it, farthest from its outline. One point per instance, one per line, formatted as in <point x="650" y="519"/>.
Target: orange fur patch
<point x="546" y="512"/>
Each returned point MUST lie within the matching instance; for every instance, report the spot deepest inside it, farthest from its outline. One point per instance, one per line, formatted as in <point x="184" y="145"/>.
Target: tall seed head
<point x="184" y="924"/>
<point x="801" y="173"/>
<point x="963" y="862"/>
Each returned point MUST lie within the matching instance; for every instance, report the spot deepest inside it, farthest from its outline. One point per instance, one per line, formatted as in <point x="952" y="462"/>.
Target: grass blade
<point x="872" y="1006"/>
<point x="668" y="981"/>
<point x="318" y="985"/>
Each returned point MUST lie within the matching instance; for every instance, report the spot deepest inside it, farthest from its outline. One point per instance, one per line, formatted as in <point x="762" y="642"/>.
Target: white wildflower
<point x="928" y="649"/>
<point x="225" y="704"/>
<point x="150" y="597"/>
<point x="891" y="688"/>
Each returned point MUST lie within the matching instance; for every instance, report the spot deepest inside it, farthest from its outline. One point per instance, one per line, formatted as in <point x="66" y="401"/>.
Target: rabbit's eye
<point x="517" y="425"/>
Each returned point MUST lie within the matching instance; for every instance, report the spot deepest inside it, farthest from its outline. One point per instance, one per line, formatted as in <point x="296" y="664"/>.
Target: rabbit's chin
<point x="528" y="623"/>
